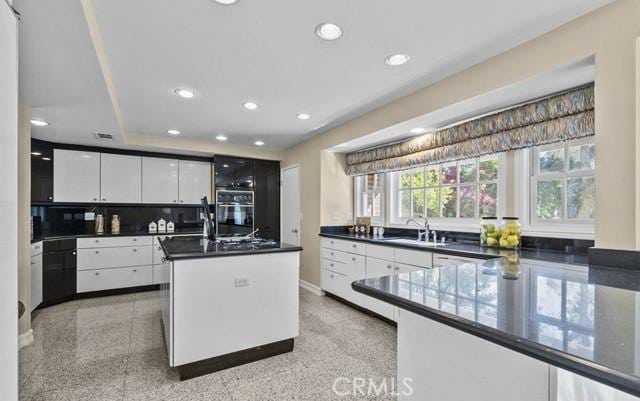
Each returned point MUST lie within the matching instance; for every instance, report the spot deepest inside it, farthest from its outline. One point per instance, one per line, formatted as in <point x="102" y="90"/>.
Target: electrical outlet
<point x="242" y="281"/>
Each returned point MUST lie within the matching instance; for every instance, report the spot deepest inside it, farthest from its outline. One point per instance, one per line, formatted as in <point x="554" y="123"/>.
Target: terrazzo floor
<point x="110" y="349"/>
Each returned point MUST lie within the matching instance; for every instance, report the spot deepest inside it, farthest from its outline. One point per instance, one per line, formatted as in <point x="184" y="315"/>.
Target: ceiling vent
<point x="101" y="136"/>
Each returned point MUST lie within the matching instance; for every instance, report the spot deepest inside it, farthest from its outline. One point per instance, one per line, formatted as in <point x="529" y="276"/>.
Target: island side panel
<point x="228" y="304"/>
<point x="443" y="363"/>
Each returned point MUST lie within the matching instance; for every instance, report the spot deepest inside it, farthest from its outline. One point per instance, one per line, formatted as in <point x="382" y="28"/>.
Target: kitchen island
<point x="513" y="329"/>
<point x="226" y="304"/>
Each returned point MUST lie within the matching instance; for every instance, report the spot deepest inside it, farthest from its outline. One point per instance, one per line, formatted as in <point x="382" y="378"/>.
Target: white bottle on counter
<point x="153" y="227"/>
<point x="162" y="225"/>
<point x="171" y="227"/>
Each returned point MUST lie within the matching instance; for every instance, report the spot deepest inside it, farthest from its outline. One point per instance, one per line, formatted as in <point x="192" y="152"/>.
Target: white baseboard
<point x="25" y="339"/>
<point x="311" y="287"/>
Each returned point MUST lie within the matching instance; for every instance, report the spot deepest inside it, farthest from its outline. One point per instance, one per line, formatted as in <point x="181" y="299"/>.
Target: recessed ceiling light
<point x="46" y="158"/>
<point x="250" y="105"/>
<point x="221" y="138"/>
<point x="185" y="93"/>
<point x="226" y="2"/>
<point x="328" y="31"/>
<point x="259" y="143"/>
<point x="225" y="165"/>
<point x="173" y="132"/>
<point x="303" y="116"/>
<point x="36" y="154"/>
<point x="395" y="60"/>
<point x="39" y="123"/>
<point x="418" y="130"/>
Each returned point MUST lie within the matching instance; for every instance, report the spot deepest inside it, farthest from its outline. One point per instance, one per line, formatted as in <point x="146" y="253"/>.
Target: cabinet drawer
<point x="341" y="256"/>
<point x="380" y="252"/>
<point x="345" y="246"/>
<point x="416" y="258"/>
<point x="355" y="270"/>
<point x="36" y="248"/>
<point x="107" y="279"/>
<point x="105" y="242"/>
<point x="114" y="257"/>
<point x="334" y="283"/>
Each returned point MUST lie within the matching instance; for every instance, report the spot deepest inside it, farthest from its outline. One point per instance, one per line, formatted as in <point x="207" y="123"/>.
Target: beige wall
<point x="608" y="33"/>
<point x="24" y="213"/>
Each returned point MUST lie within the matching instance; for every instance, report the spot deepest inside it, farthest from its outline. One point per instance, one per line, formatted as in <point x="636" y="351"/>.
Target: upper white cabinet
<point x="195" y="181"/>
<point x="120" y="178"/>
<point x="76" y="176"/>
<point x="159" y="180"/>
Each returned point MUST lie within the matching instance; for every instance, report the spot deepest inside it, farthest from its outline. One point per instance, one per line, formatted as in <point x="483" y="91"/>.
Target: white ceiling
<point x="264" y="51"/>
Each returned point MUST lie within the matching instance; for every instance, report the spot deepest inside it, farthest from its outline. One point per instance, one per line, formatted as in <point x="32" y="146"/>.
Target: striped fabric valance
<point x="568" y="115"/>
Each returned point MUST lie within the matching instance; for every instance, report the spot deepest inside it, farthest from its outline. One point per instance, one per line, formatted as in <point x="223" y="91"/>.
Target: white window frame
<point x="448" y="223"/>
<point x="357" y="205"/>
<point x="525" y="196"/>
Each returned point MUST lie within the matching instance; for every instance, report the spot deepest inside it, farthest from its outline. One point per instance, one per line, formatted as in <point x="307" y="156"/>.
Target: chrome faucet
<point x="422" y="235"/>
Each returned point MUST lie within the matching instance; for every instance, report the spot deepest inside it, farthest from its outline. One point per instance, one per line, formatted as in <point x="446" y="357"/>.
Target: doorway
<point x="291" y="205"/>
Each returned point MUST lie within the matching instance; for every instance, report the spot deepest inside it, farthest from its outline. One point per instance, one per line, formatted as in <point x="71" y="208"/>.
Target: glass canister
<point x="489" y="231"/>
<point x="510" y="232"/>
<point x="115" y="224"/>
<point x="99" y="224"/>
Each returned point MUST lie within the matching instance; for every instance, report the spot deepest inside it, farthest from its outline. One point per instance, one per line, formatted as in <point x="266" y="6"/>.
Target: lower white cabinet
<point x="105" y="258"/>
<point x="106" y="279"/>
<point x="377" y="268"/>
<point x="36" y="280"/>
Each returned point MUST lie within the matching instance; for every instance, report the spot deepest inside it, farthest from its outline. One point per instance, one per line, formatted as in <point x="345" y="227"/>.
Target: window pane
<point x="432" y="177"/>
<point x="417" y="178"/>
<point x="405" y="204"/>
<point x="551" y="161"/>
<point x="448" y="195"/>
<point x="580" y="301"/>
<point x="417" y="198"/>
<point x="376" y="205"/>
<point x="582" y="157"/>
<point x="549" y="297"/>
<point x="449" y="174"/>
<point x="467" y="200"/>
<point x="433" y="202"/>
<point x="549" y="195"/>
<point x="468" y="172"/>
<point x="580" y="344"/>
<point x="488" y="199"/>
<point x="550" y="335"/>
<point x="488" y="170"/>
<point x="581" y="194"/>
<point x="405" y="179"/>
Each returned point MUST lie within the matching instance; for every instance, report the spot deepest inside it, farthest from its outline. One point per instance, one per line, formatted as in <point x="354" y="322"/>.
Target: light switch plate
<point x="89" y="216"/>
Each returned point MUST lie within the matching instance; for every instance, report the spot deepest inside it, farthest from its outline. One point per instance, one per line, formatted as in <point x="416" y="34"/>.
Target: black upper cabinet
<point x="233" y="173"/>
<point x="267" y="199"/>
<point x="41" y="171"/>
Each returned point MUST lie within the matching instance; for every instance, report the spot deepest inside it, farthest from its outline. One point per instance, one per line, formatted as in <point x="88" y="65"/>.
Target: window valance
<point x="564" y="116"/>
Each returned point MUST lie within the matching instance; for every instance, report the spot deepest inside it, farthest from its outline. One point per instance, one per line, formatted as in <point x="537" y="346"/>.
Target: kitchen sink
<point x="413" y="242"/>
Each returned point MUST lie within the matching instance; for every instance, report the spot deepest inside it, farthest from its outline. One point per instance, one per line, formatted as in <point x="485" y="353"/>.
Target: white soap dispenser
<point x="162" y="225"/>
<point x="171" y="227"/>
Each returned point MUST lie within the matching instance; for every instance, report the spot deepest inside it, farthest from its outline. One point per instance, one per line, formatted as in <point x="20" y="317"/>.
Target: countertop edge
<point x="178" y="257"/>
<point x="621" y="381"/>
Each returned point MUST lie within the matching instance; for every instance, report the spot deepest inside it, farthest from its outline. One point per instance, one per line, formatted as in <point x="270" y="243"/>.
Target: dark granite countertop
<point x="196" y="247"/>
<point x="470" y="250"/>
<point x="578" y="318"/>
<point x="134" y="234"/>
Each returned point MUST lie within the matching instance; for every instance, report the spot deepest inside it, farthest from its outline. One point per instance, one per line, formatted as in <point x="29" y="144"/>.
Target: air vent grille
<point x="103" y="136"/>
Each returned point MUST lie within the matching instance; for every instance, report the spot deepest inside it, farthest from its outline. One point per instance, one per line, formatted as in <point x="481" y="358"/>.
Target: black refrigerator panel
<point x="267" y="199"/>
<point x="59" y="262"/>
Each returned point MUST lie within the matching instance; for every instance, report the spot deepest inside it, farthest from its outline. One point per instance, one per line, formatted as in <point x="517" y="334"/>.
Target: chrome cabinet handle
<point x="397" y="267"/>
<point x="97" y="273"/>
<point x="331" y="275"/>
<point x="95" y="199"/>
<point x="331" y="242"/>
<point x="331" y="264"/>
<point x="135" y="270"/>
<point x="104" y="199"/>
<point x="97" y="241"/>
<point x="37" y="246"/>
<point x="175" y="201"/>
<point x="389" y="266"/>
<point x="135" y="250"/>
<point x="181" y="201"/>
<point x="354" y="259"/>
<point x="354" y="246"/>
<point x="97" y="252"/>
<point x="331" y="253"/>
<point x="33" y="263"/>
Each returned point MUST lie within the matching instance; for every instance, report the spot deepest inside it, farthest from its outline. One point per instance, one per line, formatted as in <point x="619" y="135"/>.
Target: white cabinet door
<point x="375" y="269"/>
<point x="159" y="180"/>
<point x="120" y="178"/>
<point x="194" y="182"/>
<point x="76" y="176"/>
<point x="36" y="281"/>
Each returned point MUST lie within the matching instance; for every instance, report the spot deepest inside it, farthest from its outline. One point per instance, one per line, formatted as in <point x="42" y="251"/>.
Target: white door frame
<point x="282" y="170"/>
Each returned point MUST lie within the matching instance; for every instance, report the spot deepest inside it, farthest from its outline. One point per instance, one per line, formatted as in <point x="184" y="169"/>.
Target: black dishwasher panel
<point x="58" y="271"/>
